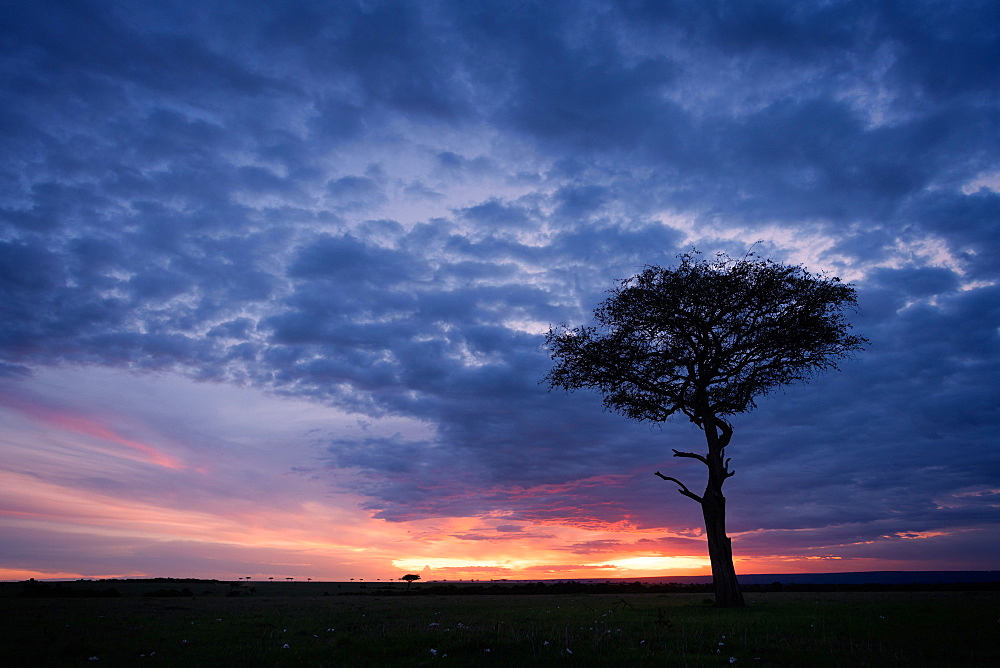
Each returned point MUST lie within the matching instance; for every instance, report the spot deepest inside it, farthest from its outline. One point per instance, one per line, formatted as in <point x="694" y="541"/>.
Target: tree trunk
<point x="720" y="551"/>
<point x="713" y="509"/>
<point x="718" y="433"/>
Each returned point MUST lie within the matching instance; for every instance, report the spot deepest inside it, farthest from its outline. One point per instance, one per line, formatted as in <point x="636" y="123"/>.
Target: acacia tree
<point x="704" y="339"/>
<point x="410" y="579"/>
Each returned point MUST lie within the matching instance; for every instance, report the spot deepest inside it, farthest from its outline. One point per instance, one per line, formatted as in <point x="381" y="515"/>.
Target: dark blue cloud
<point x="495" y="214"/>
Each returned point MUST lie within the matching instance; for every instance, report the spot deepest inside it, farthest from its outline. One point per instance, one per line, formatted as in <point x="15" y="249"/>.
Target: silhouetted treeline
<point x="152" y="580"/>
<point x="911" y="586"/>
<point x="34" y="589"/>
<point x="660" y="588"/>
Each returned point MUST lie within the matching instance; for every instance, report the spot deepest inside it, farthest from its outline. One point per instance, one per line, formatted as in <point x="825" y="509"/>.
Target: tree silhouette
<point x="705" y="339"/>
<point x="410" y="579"/>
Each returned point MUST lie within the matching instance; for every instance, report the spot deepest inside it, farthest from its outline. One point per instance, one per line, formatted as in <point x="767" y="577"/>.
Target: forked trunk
<point x="720" y="551"/>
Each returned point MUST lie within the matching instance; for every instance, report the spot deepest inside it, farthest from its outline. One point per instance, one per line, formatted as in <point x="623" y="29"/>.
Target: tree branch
<point x="683" y="488"/>
<point x="725" y="469"/>
<point x="726" y="430"/>
<point x="692" y="455"/>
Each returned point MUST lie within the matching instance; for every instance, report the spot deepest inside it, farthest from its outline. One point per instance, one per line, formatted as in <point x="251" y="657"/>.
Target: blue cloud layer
<point x="380" y="205"/>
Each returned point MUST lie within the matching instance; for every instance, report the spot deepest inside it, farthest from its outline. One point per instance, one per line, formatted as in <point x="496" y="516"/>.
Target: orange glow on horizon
<point x="334" y="540"/>
<point x="225" y="519"/>
<point x="300" y="539"/>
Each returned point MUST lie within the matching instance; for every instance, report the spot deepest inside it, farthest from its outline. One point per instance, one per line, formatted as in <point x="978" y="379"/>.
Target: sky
<point x="275" y="278"/>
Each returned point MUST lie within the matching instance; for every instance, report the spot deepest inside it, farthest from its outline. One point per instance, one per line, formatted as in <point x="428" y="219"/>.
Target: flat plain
<point x="208" y="623"/>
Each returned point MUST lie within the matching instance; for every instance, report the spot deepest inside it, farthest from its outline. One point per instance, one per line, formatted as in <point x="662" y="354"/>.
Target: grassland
<point x="294" y="624"/>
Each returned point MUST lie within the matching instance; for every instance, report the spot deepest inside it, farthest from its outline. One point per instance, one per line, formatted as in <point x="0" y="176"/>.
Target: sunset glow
<point x="305" y="530"/>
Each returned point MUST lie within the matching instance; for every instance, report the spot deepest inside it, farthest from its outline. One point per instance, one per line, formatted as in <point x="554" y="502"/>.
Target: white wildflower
<point x="434" y="652"/>
<point x="285" y="646"/>
<point x="732" y="659"/>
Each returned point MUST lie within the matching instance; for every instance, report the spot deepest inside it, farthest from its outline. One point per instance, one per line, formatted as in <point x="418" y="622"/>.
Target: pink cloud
<point x="76" y="423"/>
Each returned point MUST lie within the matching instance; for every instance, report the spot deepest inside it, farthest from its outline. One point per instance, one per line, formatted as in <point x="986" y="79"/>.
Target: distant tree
<point x="289" y="579"/>
<point x="705" y="338"/>
<point x="410" y="579"/>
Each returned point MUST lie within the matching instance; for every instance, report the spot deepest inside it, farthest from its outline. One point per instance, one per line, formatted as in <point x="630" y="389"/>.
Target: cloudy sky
<point x="274" y="278"/>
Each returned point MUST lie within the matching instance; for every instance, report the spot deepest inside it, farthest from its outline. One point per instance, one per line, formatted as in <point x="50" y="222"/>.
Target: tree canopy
<point x="706" y="337"/>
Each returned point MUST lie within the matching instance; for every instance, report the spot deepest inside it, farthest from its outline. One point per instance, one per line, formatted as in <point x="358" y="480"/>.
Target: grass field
<point x="294" y="624"/>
